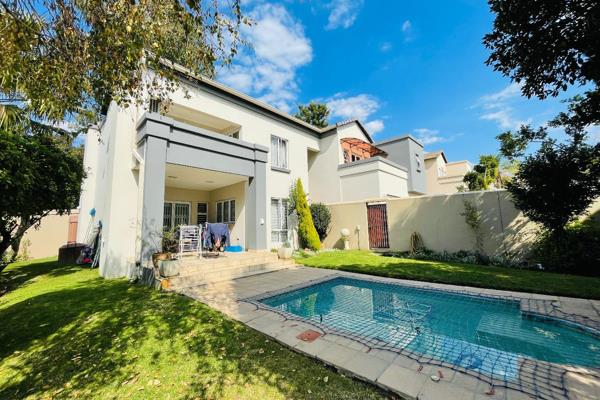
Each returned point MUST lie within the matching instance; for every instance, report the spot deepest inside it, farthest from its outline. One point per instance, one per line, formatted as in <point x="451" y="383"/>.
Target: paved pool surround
<point x="393" y="371"/>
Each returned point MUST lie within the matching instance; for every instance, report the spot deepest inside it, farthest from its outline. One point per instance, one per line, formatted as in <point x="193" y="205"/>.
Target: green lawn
<point x="455" y="273"/>
<point x="65" y="333"/>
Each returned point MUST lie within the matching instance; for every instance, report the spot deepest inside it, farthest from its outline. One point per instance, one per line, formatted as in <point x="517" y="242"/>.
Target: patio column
<point x="256" y="203"/>
<point x="155" y="156"/>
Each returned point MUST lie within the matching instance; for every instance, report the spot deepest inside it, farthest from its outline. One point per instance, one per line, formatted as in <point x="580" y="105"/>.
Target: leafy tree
<point x="307" y="233"/>
<point x="558" y="182"/>
<point x="314" y="113"/>
<point x="484" y="174"/>
<point x="321" y="216"/>
<point x="69" y="57"/>
<point x="548" y="46"/>
<point x="39" y="172"/>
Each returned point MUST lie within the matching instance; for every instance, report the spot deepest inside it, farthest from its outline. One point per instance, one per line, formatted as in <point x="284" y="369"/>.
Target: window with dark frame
<point x="226" y="211"/>
<point x="201" y="213"/>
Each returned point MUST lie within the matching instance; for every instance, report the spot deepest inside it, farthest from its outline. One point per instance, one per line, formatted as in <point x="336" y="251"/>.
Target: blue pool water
<point x="483" y="334"/>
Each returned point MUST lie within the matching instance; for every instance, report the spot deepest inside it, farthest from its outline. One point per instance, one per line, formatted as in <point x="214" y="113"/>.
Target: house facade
<point x="214" y="154"/>
<point x="443" y="177"/>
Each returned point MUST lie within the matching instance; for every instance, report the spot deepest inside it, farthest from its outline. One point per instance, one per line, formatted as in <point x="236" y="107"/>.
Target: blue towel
<point x="214" y="231"/>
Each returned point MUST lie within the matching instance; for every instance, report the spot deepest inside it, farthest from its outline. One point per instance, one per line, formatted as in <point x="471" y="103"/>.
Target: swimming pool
<point x="487" y="336"/>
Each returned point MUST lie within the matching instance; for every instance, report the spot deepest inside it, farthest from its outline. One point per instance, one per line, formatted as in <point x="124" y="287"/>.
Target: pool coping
<point x="389" y="370"/>
<point x="550" y="386"/>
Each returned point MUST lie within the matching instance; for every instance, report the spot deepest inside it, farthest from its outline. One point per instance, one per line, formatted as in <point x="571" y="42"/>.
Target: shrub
<point x="321" y="217"/>
<point x="307" y="234"/>
<point x="416" y="243"/>
<point x="461" y="256"/>
<point x="576" y="251"/>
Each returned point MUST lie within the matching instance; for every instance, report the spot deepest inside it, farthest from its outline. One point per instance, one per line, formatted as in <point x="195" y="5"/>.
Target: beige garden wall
<point x="44" y="241"/>
<point x="438" y="219"/>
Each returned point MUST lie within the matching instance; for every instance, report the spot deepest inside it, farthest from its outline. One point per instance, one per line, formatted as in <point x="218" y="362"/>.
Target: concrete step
<point x="190" y="266"/>
<point x="204" y="276"/>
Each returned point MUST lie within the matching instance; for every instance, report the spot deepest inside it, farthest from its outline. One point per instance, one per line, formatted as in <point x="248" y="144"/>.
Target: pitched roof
<point x="435" y="154"/>
<point x="260" y="105"/>
<point x="331" y="127"/>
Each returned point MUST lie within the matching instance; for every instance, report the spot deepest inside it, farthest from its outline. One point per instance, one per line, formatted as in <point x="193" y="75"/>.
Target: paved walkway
<point x="389" y="370"/>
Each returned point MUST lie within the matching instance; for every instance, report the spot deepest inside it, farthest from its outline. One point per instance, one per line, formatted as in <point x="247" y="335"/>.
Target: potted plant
<point x="168" y="245"/>
<point x="167" y="266"/>
<point x="285" y="252"/>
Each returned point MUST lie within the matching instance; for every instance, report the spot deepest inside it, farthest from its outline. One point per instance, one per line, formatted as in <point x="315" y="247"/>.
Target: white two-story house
<point x="217" y="155"/>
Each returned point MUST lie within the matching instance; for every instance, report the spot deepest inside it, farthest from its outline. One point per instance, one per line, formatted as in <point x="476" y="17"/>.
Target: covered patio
<point x="190" y="175"/>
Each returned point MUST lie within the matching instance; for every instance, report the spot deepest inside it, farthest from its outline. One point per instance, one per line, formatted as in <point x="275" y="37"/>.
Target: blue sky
<point x="399" y="66"/>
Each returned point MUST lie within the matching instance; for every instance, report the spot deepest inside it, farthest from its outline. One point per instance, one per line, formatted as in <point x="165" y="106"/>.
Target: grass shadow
<point x="19" y="274"/>
<point x="110" y="339"/>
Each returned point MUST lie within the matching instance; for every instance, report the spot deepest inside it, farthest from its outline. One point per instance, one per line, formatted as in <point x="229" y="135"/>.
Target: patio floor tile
<point x="365" y="365"/>
<point x="402" y="380"/>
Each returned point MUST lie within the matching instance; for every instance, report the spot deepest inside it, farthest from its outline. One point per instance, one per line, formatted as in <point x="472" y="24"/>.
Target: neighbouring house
<point x="408" y="151"/>
<point x="215" y="154"/>
<point x="444" y="177"/>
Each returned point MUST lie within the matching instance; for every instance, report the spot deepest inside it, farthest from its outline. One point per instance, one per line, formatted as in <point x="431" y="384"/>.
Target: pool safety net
<point x="477" y="330"/>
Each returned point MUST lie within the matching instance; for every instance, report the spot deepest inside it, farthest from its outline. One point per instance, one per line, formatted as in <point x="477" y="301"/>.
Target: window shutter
<point x="202" y="213"/>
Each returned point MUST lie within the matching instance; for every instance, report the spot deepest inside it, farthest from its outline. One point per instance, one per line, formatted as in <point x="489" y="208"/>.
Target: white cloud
<point x="385" y="47"/>
<point x="343" y="13"/>
<point x="407" y="31"/>
<point x="594" y="133"/>
<point x="511" y="91"/>
<point x="374" y="126"/>
<point x="496" y="107"/>
<point x="406" y="26"/>
<point x="430" y="136"/>
<point x="279" y="48"/>
<point x="359" y="107"/>
<point x="505" y="119"/>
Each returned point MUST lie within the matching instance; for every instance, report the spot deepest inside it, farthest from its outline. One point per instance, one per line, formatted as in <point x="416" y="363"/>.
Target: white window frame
<point x="283" y="222"/>
<point x="279" y="146"/>
<point x="225" y="203"/>
<point x="198" y="213"/>
<point x="173" y="203"/>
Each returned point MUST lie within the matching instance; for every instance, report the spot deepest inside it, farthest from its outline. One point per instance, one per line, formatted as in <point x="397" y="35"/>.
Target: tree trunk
<point x="15" y="246"/>
<point x="4" y="245"/>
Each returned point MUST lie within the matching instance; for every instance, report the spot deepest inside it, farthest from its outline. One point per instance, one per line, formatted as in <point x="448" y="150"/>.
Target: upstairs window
<point x="279" y="152"/>
<point x="418" y="160"/>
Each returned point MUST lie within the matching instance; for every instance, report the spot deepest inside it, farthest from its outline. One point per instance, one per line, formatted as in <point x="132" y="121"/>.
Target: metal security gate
<point x="378" y="226"/>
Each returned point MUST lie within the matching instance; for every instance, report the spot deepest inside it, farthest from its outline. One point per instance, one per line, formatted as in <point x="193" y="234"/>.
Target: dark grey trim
<point x="173" y="124"/>
<point x="167" y="141"/>
<point x="199" y="148"/>
<point x="279" y="169"/>
<point x="399" y="138"/>
<point x="370" y="160"/>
